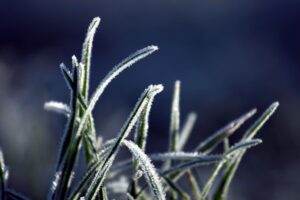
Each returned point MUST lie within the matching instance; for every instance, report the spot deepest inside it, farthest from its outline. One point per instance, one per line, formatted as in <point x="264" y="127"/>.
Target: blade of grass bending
<point x="149" y="93"/>
<point x="211" y="142"/>
<point x="2" y="177"/>
<point x="222" y="189"/>
<point x="86" y="57"/>
<point x="241" y="146"/>
<point x="175" y="188"/>
<point x="109" y="77"/>
<point x="175" y="118"/>
<point x="148" y="170"/>
<point x="186" y="130"/>
<point x="191" y="164"/>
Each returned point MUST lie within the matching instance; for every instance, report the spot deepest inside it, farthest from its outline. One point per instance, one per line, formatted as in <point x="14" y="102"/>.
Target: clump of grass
<point x="144" y="180"/>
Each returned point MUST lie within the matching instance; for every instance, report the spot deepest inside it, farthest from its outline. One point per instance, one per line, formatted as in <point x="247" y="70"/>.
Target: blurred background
<point x="231" y="56"/>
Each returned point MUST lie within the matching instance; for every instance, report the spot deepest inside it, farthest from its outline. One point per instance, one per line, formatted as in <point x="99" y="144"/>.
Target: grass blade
<point x="148" y="170"/>
<point x="149" y="93"/>
<point x="86" y="56"/>
<point x="194" y="185"/>
<point x="186" y="130"/>
<point x="222" y="189"/>
<point x="175" y="118"/>
<point x="211" y="142"/>
<point x="103" y="193"/>
<point x="69" y="149"/>
<point x="191" y="164"/>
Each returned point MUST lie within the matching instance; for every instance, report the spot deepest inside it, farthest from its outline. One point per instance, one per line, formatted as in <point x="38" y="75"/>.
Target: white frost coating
<point x="148" y="169"/>
<point x="110" y="76"/>
<point x="57" y="107"/>
<point x="175" y="156"/>
<point x="74" y="61"/>
<point x="87" y="52"/>
<point x="186" y="130"/>
<point x="242" y="146"/>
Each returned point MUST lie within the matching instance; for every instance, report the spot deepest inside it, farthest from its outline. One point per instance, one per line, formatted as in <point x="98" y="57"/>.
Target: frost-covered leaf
<point x="148" y="169"/>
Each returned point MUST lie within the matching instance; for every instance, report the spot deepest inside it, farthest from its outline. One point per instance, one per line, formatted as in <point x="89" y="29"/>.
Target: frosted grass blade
<point x="86" y="57"/>
<point x="175" y="118"/>
<point x="211" y="142"/>
<point x="148" y="170"/>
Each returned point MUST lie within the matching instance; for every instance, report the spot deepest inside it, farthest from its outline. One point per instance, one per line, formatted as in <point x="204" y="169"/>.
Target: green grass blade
<point x="186" y="130"/>
<point x="69" y="149"/>
<point x="62" y="185"/>
<point x="86" y="56"/>
<point x="101" y="174"/>
<point x="222" y="189"/>
<point x="211" y="142"/>
<point x="243" y="145"/>
<point x="103" y="193"/>
<point x="210" y="159"/>
<point x="194" y="185"/>
<point x="148" y="170"/>
<point x="175" y="118"/>
<point x="261" y="121"/>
